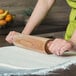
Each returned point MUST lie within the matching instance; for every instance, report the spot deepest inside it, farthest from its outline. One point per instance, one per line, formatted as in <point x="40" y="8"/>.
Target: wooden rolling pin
<point x="34" y="43"/>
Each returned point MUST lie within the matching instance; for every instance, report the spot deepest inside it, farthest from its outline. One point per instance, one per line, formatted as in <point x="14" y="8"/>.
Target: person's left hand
<point x="59" y="46"/>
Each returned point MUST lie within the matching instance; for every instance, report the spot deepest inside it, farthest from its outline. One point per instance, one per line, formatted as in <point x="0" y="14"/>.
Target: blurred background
<point x="54" y="24"/>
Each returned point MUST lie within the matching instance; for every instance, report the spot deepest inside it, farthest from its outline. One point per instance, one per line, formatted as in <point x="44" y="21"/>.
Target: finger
<point x="57" y="52"/>
<point x="56" y="49"/>
<point x="61" y="47"/>
<point x="49" y="43"/>
<point x="63" y="50"/>
<point x="66" y="47"/>
<point x="10" y="34"/>
<point x="9" y="39"/>
<point x="50" y="47"/>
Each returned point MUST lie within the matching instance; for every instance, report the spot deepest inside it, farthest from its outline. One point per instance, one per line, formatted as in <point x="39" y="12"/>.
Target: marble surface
<point x="14" y="59"/>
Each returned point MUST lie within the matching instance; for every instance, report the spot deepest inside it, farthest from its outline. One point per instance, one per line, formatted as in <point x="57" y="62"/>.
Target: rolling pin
<point x="34" y="43"/>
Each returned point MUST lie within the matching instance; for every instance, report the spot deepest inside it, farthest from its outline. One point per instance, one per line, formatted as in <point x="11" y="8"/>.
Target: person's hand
<point x="9" y="37"/>
<point x="59" y="46"/>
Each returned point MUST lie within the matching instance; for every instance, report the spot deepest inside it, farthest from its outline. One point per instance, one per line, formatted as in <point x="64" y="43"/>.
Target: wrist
<point x="25" y="33"/>
<point x="71" y="44"/>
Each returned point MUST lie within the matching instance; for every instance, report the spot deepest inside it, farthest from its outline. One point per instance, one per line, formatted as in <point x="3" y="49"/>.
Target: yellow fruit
<point x="2" y="16"/>
<point x="1" y="11"/>
<point x="3" y="22"/>
<point x="8" y="18"/>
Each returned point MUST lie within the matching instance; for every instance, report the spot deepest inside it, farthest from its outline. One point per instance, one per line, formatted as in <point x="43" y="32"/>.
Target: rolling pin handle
<point x="46" y="47"/>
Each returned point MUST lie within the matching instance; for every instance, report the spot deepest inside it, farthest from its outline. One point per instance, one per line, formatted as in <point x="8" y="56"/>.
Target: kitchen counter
<point x="3" y="42"/>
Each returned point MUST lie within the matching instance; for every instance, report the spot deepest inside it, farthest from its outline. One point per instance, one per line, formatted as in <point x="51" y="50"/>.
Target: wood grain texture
<point x="56" y="20"/>
<point x="31" y="42"/>
<point x="59" y="12"/>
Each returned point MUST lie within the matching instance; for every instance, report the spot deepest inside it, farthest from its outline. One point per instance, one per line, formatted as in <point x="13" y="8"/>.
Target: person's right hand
<point x="9" y="37"/>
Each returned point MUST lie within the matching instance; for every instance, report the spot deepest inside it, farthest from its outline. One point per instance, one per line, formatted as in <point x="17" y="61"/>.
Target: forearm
<point x="40" y="11"/>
